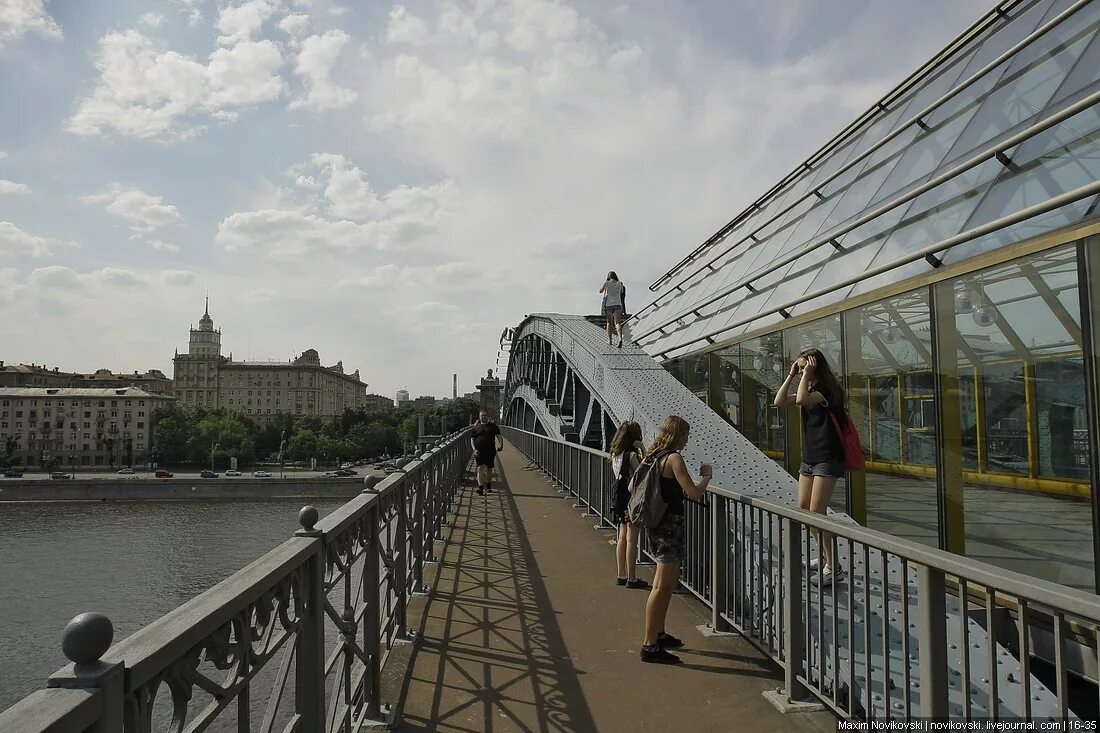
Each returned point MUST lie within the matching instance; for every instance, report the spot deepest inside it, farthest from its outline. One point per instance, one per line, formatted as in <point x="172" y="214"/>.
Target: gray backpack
<point x="647" y="507"/>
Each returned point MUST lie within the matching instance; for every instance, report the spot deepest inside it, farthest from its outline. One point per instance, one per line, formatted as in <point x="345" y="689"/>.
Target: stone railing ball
<point x="369" y="482"/>
<point x="403" y="462"/>
<point x="87" y="638"/>
<point x="308" y="517"/>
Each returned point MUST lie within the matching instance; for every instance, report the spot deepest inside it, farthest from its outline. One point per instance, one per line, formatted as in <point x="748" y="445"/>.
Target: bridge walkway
<point x="526" y="630"/>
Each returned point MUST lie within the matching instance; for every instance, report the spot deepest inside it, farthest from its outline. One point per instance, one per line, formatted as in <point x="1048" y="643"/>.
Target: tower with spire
<point x="197" y="373"/>
<point x="205" y="341"/>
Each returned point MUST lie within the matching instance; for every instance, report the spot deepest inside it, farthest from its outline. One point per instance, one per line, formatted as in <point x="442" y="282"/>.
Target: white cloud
<point x="13" y="187"/>
<point x="61" y="280"/>
<point x="16" y="242"/>
<point x="164" y="246"/>
<point x="344" y="214"/>
<point x="241" y="22"/>
<point x="20" y="17"/>
<point x="152" y="20"/>
<point x="315" y="63"/>
<point x="144" y="212"/>
<point x="178" y="278"/>
<point x="295" y="25"/>
<point x="405" y="27"/>
<point x="3" y="154"/>
<point x="191" y="9"/>
<point x="146" y="91"/>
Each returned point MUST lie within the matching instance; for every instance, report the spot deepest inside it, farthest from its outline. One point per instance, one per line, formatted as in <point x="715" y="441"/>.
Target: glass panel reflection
<point x="762" y="371"/>
<point x="893" y="404"/>
<point x="1024" y="421"/>
<point x="728" y="393"/>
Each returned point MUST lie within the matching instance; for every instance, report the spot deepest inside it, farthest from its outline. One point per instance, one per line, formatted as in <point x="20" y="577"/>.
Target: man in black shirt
<point x="487" y="442"/>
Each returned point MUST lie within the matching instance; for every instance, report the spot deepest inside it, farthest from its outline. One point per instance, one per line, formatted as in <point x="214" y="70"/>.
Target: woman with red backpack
<point x="627" y="449"/>
<point x="824" y="458"/>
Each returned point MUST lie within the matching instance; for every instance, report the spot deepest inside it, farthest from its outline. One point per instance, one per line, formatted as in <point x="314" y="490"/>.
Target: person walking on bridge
<point x="486" y="442"/>
<point x="614" y="305"/>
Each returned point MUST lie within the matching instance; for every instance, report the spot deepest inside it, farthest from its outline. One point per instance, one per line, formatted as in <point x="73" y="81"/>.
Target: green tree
<point x="302" y="445"/>
<point x="408" y="430"/>
<point x="172" y="434"/>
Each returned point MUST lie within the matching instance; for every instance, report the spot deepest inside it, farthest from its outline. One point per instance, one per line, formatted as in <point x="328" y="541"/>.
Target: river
<point x="133" y="561"/>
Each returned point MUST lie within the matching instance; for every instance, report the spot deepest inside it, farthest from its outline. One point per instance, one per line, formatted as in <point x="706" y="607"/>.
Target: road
<point x="194" y="475"/>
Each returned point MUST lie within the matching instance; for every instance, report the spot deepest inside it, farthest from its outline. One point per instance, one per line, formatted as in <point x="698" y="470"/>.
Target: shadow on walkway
<point x="526" y="630"/>
<point x="491" y="655"/>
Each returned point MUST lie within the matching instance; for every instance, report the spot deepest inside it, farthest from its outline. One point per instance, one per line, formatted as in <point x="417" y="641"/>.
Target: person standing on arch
<point x="486" y="442"/>
<point x="614" y="305"/>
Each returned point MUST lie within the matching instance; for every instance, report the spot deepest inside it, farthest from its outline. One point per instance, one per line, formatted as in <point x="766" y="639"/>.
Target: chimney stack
<point x="454" y="391"/>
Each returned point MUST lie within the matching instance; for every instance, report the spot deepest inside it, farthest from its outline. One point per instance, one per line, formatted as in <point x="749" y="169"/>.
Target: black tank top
<point x="820" y="442"/>
<point x="671" y="493"/>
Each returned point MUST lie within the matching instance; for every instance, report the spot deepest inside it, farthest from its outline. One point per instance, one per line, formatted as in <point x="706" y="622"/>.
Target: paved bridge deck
<point x="526" y="630"/>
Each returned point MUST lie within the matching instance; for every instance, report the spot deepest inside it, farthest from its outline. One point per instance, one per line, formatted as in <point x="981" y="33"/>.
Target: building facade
<point x="376" y="404"/>
<point x="38" y="375"/>
<point x="153" y="381"/>
<point x="67" y="427"/>
<point x="943" y="253"/>
<point x="261" y="390"/>
<point x="402" y="397"/>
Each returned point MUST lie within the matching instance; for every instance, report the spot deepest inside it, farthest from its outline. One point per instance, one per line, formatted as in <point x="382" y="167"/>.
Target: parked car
<point x="208" y="474"/>
<point x="232" y="472"/>
<point x="161" y="473"/>
<point x="59" y="476"/>
<point x="378" y="466"/>
<point x="345" y="465"/>
<point x="125" y="470"/>
<point x="13" y="473"/>
<point x="332" y="474"/>
<point x="261" y="474"/>
<point x="390" y="470"/>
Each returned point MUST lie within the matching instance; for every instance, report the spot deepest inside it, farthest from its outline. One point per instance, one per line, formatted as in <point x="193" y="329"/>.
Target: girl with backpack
<point x="667" y="539"/>
<point x="821" y="400"/>
<point x="626" y="453"/>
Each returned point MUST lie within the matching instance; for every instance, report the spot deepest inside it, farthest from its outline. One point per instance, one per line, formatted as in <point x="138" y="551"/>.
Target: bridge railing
<point x="295" y="641"/>
<point x="878" y="644"/>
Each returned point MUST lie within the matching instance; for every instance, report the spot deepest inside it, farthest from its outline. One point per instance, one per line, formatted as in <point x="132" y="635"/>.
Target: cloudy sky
<point x="393" y="184"/>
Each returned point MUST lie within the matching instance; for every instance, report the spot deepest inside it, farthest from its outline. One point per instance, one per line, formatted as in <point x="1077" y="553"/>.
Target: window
<point x="87" y="413"/>
<point x="141" y="425"/>
<point x="87" y="425"/>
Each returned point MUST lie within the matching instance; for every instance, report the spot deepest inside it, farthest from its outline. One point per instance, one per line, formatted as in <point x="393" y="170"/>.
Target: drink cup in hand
<point x="706" y="470"/>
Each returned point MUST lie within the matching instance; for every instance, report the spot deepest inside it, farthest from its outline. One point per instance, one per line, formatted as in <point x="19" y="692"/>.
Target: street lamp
<point x="282" y="447"/>
<point x="213" y="447"/>
<point x="72" y="462"/>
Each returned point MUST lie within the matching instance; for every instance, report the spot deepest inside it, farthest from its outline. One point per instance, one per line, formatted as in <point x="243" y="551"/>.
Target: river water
<point x="133" y="561"/>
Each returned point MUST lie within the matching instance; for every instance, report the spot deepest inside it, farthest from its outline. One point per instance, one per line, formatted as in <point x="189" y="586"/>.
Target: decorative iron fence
<point x="294" y="642"/>
<point x="908" y="631"/>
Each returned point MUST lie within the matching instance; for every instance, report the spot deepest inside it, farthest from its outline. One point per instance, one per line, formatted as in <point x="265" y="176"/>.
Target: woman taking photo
<point x="614" y="302"/>
<point x="667" y="540"/>
<point x="626" y="453"/>
<point x="818" y="395"/>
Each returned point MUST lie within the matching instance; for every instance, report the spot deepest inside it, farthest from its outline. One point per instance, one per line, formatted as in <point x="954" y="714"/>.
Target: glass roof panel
<point x="1083" y="78"/>
<point x="1032" y="78"/>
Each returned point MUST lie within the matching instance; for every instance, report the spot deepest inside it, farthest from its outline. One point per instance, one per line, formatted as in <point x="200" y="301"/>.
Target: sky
<point x="394" y="184"/>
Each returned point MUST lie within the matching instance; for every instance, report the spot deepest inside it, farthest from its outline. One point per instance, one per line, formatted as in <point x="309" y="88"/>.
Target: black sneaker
<point x="657" y="655"/>
<point x="620" y="581"/>
<point x="637" y="583"/>
<point x="668" y="641"/>
<point x="481" y="491"/>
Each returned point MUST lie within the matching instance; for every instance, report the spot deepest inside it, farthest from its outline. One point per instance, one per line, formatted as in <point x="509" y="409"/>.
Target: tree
<point x="408" y="430"/>
<point x="172" y="434"/>
<point x="302" y="445"/>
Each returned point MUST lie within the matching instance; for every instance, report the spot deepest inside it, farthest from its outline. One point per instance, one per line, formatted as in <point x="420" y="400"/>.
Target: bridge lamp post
<point x="282" y="447"/>
<point x="213" y="447"/>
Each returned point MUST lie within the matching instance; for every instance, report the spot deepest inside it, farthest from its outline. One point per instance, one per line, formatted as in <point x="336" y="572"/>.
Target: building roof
<point x="131" y="392"/>
<point x="969" y="154"/>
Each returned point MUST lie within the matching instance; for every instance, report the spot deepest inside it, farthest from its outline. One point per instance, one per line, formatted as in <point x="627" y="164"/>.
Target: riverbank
<point x="99" y="490"/>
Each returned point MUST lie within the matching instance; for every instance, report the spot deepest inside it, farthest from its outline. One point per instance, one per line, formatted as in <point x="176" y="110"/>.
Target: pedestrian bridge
<point x="423" y="606"/>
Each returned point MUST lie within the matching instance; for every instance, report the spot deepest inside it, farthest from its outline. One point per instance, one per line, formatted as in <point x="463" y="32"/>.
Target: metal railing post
<point x="309" y="643"/>
<point x="86" y="639"/>
<point x="932" y="641"/>
<point x="420" y="538"/>
<point x="793" y="646"/>
<point x="719" y="562"/>
<point x="372" y="618"/>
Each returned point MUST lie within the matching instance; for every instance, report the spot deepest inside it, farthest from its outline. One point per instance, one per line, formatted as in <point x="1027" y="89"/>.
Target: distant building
<point x="376" y="404"/>
<point x="153" y="381"/>
<point x="75" y="426"/>
<point x="38" y="375"/>
<point x="261" y="390"/>
<point x="426" y="402"/>
<point x="402" y="396"/>
<point x="35" y="375"/>
<point x="475" y="396"/>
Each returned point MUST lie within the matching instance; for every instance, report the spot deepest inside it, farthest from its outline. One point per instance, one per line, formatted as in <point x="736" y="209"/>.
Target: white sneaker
<point x="814" y="564"/>
<point x="828" y="576"/>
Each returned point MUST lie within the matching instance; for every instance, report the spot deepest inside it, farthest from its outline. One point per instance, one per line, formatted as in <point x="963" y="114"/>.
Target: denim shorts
<point x="610" y="310"/>
<point x="828" y="470"/>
